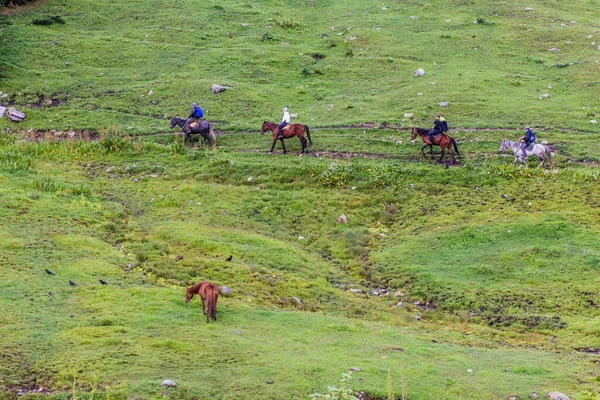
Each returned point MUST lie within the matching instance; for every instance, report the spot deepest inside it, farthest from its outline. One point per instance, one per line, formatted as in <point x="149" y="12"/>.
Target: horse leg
<point x="423" y="149"/>
<point x="203" y="305"/>
<point x="283" y="145"/>
<point x="442" y="156"/>
<point x="272" y="147"/>
<point x="431" y="148"/>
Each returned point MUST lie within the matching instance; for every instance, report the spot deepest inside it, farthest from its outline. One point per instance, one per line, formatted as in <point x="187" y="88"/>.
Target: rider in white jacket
<point x="284" y="121"/>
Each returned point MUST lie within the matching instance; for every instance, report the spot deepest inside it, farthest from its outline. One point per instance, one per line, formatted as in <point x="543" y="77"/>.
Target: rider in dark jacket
<point x="529" y="139"/>
<point x="437" y="128"/>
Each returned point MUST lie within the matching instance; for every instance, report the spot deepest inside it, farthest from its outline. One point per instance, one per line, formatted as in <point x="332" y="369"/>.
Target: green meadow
<point x="474" y="280"/>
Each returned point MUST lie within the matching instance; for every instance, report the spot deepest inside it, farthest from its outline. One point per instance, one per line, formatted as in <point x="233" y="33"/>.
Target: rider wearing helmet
<point x="284" y="121"/>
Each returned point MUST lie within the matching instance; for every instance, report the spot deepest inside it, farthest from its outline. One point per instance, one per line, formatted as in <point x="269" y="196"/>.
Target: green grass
<point x="499" y="263"/>
<point x="491" y="73"/>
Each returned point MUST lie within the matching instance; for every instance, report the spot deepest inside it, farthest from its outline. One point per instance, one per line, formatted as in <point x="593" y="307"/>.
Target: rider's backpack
<point x="199" y="113"/>
<point x="444" y="126"/>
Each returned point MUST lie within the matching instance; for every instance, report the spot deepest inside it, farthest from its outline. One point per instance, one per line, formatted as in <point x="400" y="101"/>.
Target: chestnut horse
<point x="208" y="292"/>
<point x="442" y="140"/>
<point x="289" y="131"/>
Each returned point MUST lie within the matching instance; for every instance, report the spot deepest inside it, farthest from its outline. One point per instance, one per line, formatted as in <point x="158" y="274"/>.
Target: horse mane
<point x="421" y="131"/>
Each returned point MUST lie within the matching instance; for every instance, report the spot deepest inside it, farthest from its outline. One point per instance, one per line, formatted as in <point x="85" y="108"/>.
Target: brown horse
<point x="289" y="131"/>
<point x="442" y="140"/>
<point x="208" y="292"/>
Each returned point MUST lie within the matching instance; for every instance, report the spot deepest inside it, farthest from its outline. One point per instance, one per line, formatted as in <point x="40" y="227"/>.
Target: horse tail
<point x="308" y="134"/>
<point x="212" y="302"/>
<point x="550" y="157"/>
<point x="454" y="144"/>
<point x="213" y="138"/>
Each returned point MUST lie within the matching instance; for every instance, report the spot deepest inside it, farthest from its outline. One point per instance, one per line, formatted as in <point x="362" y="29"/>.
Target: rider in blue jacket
<point x="195" y="114"/>
<point x="528" y="140"/>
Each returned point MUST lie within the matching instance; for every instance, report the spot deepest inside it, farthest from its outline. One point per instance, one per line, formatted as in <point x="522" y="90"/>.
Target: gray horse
<point x="521" y="153"/>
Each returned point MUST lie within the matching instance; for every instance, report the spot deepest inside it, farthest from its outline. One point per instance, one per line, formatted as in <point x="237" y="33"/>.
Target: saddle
<point x="285" y="128"/>
<point x="195" y="124"/>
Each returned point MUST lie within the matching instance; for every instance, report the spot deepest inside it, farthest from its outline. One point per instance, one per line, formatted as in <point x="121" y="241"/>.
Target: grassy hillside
<point x="478" y="280"/>
<point x="333" y="63"/>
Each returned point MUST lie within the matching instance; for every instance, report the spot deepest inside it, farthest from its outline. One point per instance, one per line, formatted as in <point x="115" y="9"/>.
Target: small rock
<point x="512" y="397"/>
<point x="150" y="93"/>
<point x="245" y="25"/>
<point x="408" y="115"/>
<point x="420" y="72"/>
<point x="237" y="332"/>
<point x="384" y="8"/>
<point x="412" y="185"/>
<point x="300" y="237"/>
<point x="399" y="294"/>
<point x="355" y="290"/>
<point x="342" y="219"/>
<point x="2" y="111"/>
<point x="594" y="121"/>
<point x="127" y="168"/>
<point x="250" y="179"/>
<point x="597" y="47"/>
<point x="355" y="369"/>
<point x="417" y="317"/>
<point x="399" y="304"/>
<point x="469" y="371"/>
<point x="544" y="96"/>
<point x="270" y="382"/>
<point x="68" y="63"/>
<point x="534" y="395"/>
<point x="414" y="17"/>
<point x="557" y="396"/>
<point x="554" y="49"/>
<point x="168" y="382"/>
<point x="528" y="9"/>
<point x="225" y="291"/>
<point x="443" y="104"/>
<point x="135" y="180"/>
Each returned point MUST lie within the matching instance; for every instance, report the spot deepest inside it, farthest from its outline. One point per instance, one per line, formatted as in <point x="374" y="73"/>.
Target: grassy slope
<point x="491" y="73"/>
<point x="522" y="301"/>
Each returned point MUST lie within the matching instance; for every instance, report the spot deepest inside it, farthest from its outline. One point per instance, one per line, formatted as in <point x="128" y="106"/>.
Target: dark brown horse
<point x="289" y="131"/>
<point x="208" y="292"/>
<point x="442" y="140"/>
<point x="202" y="127"/>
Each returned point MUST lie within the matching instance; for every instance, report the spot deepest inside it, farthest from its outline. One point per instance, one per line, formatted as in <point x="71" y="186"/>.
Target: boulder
<point x="15" y="115"/>
<point x="342" y="219"/>
<point x="2" y="111"/>
<point x="557" y="396"/>
<point x="219" y="88"/>
<point x="168" y="383"/>
<point x="420" y="72"/>
<point x="408" y="115"/>
<point x="443" y="104"/>
<point x="225" y="291"/>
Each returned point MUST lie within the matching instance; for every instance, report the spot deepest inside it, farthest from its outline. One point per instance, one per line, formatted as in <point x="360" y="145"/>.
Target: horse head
<point x="413" y="133"/>
<point x="173" y="123"/>
<point x="503" y="146"/>
<point x="189" y="293"/>
<point x="265" y="127"/>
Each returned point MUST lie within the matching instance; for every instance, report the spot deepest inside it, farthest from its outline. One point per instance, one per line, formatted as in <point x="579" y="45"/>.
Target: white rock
<point x="469" y="371"/>
<point x="554" y="49"/>
<point x="557" y="396"/>
<point x="419" y="94"/>
<point x="250" y="179"/>
<point x="414" y="17"/>
<point x="150" y="93"/>
<point x="544" y="96"/>
<point x="420" y="72"/>
<point x="355" y="290"/>
<point x="408" y="115"/>
<point x="168" y="382"/>
<point x="443" y="104"/>
<point x="300" y="237"/>
<point x="528" y="9"/>
<point x="342" y="219"/>
<point x="594" y="121"/>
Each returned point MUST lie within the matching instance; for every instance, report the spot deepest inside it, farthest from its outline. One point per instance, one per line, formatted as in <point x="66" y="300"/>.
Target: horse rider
<point x="528" y="140"/>
<point x="439" y="126"/>
<point x="196" y="113"/>
<point x="284" y="122"/>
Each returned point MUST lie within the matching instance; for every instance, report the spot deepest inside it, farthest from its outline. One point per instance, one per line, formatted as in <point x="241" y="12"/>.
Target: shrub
<point x="48" y="20"/>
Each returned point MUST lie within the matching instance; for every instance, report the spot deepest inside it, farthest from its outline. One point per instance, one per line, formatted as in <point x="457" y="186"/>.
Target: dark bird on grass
<point x="229" y="258"/>
<point x="49" y="272"/>
<point x="103" y="282"/>
<point x="72" y="283"/>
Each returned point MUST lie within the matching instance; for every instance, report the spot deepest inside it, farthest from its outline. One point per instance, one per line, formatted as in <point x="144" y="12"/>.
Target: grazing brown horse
<point x="443" y="140"/>
<point x="208" y="292"/>
<point x="289" y="131"/>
